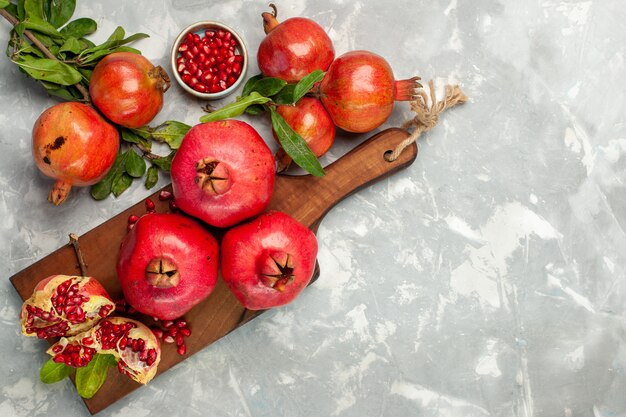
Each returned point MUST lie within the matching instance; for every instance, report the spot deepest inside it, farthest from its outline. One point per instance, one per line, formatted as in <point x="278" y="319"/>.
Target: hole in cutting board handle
<point x="386" y="155"/>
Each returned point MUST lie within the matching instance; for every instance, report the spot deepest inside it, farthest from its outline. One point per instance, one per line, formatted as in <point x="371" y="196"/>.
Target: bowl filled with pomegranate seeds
<point x="209" y="60"/>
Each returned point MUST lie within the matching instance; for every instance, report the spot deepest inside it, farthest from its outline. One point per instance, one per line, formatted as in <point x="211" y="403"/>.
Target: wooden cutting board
<point x="306" y="198"/>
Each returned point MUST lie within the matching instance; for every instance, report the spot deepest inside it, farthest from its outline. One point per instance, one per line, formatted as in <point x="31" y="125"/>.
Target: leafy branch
<point x="54" y="51"/>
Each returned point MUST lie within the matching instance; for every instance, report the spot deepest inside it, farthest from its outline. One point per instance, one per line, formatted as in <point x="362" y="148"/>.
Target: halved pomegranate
<point x="63" y="305"/>
<point x="133" y="344"/>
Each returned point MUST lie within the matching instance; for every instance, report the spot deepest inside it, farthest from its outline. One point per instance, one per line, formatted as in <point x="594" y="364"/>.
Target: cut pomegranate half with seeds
<point x="63" y="305"/>
<point x="133" y="344"/>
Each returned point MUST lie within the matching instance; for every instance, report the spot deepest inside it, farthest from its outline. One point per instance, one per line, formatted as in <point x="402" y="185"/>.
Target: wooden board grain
<point x="306" y="198"/>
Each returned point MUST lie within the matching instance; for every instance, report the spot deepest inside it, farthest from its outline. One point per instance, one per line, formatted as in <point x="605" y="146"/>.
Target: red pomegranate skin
<point x="223" y="173"/>
<point x="72" y="143"/>
<point x="127" y="89"/>
<point x="167" y="264"/>
<point x="312" y="122"/>
<point x="268" y="261"/>
<point x="359" y="91"/>
<point x="295" y="48"/>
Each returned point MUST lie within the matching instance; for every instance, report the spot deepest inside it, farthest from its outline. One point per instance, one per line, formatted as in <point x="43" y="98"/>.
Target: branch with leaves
<point x="55" y="52"/>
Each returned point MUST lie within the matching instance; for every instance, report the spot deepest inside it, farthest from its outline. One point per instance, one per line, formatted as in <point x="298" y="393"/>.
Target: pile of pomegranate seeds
<point x="209" y="64"/>
<point x="173" y="331"/>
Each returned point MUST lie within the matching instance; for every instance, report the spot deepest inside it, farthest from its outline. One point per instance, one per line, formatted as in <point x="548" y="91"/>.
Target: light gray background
<point x="485" y="280"/>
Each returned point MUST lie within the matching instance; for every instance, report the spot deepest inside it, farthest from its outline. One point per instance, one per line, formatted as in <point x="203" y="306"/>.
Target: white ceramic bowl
<point x="200" y="28"/>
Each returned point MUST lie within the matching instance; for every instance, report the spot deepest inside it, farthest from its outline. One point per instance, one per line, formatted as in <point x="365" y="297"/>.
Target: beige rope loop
<point x="427" y="117"/>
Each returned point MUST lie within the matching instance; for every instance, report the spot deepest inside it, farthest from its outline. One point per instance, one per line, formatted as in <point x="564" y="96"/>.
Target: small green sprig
<point x="262" y="94"/>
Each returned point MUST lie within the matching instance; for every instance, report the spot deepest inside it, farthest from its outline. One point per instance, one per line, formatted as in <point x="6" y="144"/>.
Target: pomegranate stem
<point x="269" y="19"/>
<point x="274" y="9"/>
<point x="11" y="19"/>
<point x="79" y="254"/>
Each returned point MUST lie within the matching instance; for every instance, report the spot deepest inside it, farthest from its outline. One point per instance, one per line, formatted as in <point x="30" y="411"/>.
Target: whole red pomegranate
<point x="63" y="305"/>
<point x="75" y="145"/>
<point x="128" y="89"/>
<point x="268" y="261"/>
<point x="293" y="48"/>
<point x="359" y="91"/>
<point x="132" y="343"/>
<point x="223" y="173"/>
<point x="167" y="264"/>
<point x="312" y="122"/>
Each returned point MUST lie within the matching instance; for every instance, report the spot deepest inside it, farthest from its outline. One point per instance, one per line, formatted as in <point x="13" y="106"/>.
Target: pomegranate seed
<point x="165" y="195"/>
<point x="185" y="331"/>
<point x="172" y="331"/>
<point x="180" y="339"/>
<point x="133" y="219"/>
<point x="57" y="348"/>
<point x="201" y="88"/>
<point x="168" y="323"/>
<point x="168" y="339"/>
<point x="182" y="349"/>
<point x="188" y="54"/>
<point x="157" y="332"/>
<point x="183" y="47"/>
<point x="149" y="205"/>
<point x="239" y="58"/>
<point x="180" y="323"/>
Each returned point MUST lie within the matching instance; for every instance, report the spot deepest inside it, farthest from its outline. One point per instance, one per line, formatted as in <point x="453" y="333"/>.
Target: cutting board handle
<point x="359" y="168"/>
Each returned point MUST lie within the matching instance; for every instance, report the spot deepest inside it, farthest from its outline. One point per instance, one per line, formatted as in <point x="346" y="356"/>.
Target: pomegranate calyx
<point x="269" y="19"/>
<point x="162" y="79"/>
<point x="162" y="273"/>
<point x="60" y="191"/>
<point x="406" y="90"/>
<point x="212" y="176"/>
<point x="278" y="271"/>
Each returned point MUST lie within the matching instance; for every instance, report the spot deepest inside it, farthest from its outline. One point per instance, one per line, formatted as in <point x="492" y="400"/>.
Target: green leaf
<point x="80" y="27"/>
<point x="131" y="136"/>
<point x="236" y="108"/>
<point x="305" y="84"/>
<point x="121" y="183"/>
<point x="93" y="54"/>
<point x="49" y="70"/>
<point x="117" y="35"/>
<point x="286" y="95"/>
<point x="164" y="162"/>
<point x="256" y="109"/>
<point x="152" y="177"/>
<point x="86" y="73"/>
<point x="4" y="4"/>
<point x="66" y="93"/>
<point x="90" y="378"/>
<point x="171" y="132"/>
<point x="268" y="86"/>
<point x="135" y="164"/>
<point x="71" y="45"/>
<point x="21" y="13"/>
<point x="247" y="88"/>
<point x="295" y="146"/>
<point x="60" y="12"/>
<point x="34" y="8"/>
<point x="101" y="190"/>
<point x="37" y="25"/>
<point x="52" y="372"/>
